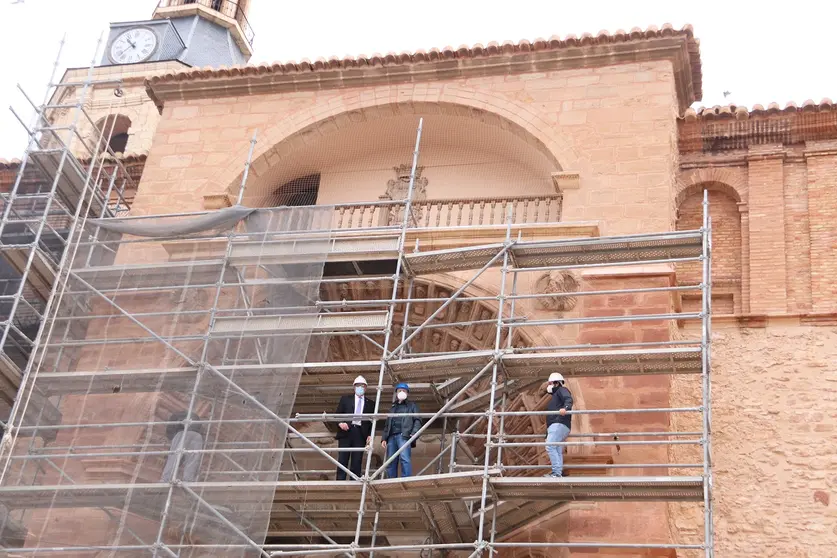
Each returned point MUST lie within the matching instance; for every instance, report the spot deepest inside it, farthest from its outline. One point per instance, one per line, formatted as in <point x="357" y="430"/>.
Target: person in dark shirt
<point x="354" y="435"/>
<point x="398" y="430"/>
<point x="558" y="425"/>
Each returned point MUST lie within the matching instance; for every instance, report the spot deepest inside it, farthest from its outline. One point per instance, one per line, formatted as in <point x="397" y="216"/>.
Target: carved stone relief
<point x="442" y="293"/>
<point x="419" y="307"/>
<point x="399" y="187"/>
<point x="557" y="282"/>
<point x="482" y="329"/>
<point x="463" y="313"/>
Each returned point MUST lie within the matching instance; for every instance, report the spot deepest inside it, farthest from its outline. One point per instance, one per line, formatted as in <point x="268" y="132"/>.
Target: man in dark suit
<point x="355" y="433"/>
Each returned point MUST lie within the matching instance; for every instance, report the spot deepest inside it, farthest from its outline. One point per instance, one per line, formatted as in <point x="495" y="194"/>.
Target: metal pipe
<point x="223" y="519"/>
<point x="480" y="542"/>
<point x="27" y="375"/>
<point x="503" y="251"/>
<point x="608" y="319"/>
<point x="603" y="264"/>
<point x="599" y="466"/>
<point x="598" y="443"/>
<point x="402" y="237"/>
<point x="427" y="423"/>
<point x="706" y="334"/>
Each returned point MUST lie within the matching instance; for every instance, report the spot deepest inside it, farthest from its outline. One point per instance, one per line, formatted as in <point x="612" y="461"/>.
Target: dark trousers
<point x="353" y="439"/>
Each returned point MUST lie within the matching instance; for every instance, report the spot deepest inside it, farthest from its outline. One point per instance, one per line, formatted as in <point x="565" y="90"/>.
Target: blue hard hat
<point x="402" y="385"/>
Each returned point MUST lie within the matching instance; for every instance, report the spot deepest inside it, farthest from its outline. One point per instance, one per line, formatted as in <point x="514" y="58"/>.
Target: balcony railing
<point x="459" y="212"/>
<point x="228" y="8"/>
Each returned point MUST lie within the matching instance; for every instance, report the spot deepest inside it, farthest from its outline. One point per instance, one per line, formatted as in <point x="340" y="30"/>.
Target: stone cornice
<point x="265" y="80"/>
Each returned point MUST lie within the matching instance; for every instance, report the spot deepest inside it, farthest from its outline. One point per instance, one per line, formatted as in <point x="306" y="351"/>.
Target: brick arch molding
<point x="718" y="179"/>
<point x="515" y="116"/>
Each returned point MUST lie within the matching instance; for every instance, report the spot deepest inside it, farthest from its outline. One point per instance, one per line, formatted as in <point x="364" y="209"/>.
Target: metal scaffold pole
<point x="396" y="282"/>
<point x="201" y="365"/>
<point x="706" y="343"/>
<point x="498" y="336"/>
<point x="245" y="491"/>
<point x="65" y="159"/>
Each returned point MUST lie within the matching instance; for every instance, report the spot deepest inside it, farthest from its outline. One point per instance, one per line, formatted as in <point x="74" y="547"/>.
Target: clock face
<point x="132" y="46"/>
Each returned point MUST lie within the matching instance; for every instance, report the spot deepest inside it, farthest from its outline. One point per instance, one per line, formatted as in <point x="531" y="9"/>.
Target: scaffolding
<point x="231" y="326"/>
<point x="63" y="177"/>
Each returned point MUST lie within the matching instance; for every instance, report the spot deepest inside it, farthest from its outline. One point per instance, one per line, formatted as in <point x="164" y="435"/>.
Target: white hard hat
<point x="360" y="380"/>
<point x="555" y="377"/>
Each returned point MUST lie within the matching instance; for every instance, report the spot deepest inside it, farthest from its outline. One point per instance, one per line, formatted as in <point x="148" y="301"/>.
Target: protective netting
<point x="162" y="385"/>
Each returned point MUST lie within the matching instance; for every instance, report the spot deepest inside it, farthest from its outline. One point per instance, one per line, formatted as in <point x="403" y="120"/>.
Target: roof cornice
<point x="680" y="47"/>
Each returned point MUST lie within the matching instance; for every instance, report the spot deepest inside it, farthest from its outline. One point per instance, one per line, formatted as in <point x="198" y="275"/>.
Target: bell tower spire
<point x="230" y="15"/>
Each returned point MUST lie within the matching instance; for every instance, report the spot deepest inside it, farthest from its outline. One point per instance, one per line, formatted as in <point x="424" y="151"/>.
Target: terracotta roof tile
<point x="13" y="164"/>
<point x="6" y="164"/>
<point x="449" y="53"/>
<point x="742" y="113"/>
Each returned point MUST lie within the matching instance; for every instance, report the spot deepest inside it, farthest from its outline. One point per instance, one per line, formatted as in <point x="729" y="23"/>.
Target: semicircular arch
<point x="281" y="135"/>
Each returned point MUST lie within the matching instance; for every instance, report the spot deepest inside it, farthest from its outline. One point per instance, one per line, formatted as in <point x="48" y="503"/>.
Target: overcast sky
<point x="758" y="52"/>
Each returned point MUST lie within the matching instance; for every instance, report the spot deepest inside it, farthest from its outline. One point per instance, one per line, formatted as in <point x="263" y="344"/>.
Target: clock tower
<point x="179" y="35"/>
<point x="195" y="32"/>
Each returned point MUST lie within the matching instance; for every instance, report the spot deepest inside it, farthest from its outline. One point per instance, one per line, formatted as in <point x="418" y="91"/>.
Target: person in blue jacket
<point x="398" y="430"/>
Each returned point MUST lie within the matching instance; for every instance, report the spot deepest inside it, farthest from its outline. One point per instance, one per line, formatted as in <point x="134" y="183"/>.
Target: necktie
<point x="358" y="408"/>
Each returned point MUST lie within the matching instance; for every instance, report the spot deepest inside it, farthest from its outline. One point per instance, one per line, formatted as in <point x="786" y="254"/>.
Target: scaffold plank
<point x="440" y="367"/>
<point x="163" y="276"/>
<point x="445" y="487"/>
<point x="226" y="326"/>
<point x="622" y="362"/>
<point x="447" y="370"/>
<point x="71" y="180"/>
<point x="588" y="251"/>
<point x="431" y="488"/>
<point x="41" y="273"/>
<point x="599" y="489"/>
<point x="314" y="248"/>
<point x="394" y="519"/>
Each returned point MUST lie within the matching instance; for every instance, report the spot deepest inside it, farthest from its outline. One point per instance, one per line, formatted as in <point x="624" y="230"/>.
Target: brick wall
<point x="822" y="202"/>
<point x="787" y="254"/>
<point x="726" y="251"/>
<point x="798" y="236"/>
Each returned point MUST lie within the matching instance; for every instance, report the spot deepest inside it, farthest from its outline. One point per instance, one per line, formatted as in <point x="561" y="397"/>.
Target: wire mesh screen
<point x="162" y="386"/>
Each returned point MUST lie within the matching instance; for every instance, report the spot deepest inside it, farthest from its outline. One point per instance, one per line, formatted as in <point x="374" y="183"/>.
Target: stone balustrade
<point x="454" y="212"/>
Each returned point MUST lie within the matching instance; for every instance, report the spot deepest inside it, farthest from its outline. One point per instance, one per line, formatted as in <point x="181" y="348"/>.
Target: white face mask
<point x="401" y="395"/>
<point x="360" y="390"/>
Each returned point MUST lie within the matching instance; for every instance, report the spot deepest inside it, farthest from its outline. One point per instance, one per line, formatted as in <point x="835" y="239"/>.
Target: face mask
<point x="549" y="388"/>
<point x="401" y="395"/>
<point x="360" y="390"/>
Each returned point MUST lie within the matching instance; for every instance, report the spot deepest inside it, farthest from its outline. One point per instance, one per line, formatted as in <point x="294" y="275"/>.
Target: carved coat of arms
<point x="398" y="188"/>
<point x="553" y="282"/>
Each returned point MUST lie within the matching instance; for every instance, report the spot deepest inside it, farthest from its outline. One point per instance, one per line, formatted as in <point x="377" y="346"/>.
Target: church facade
<point x="595" y="133"/>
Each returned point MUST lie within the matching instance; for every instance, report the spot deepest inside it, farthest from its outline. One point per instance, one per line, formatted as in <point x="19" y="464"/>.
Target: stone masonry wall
<point x="774" y="409"/>
<point x="616" y="125"/>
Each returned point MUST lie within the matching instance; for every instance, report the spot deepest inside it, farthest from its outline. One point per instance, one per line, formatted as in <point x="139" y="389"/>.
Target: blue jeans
<point x="394" y="443"/>
<point x="556" y="432"/>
